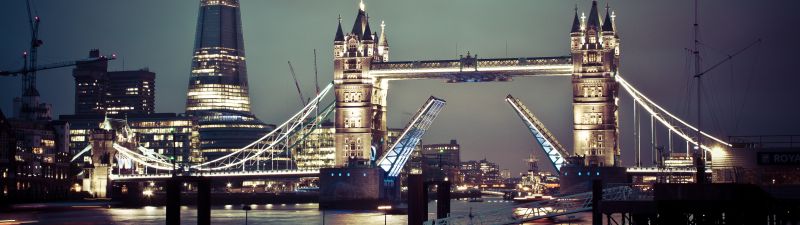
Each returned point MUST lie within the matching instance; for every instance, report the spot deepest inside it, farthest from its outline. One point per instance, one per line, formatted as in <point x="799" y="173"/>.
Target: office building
<point x="218" y="89"/>
<point x="98" y="91"/>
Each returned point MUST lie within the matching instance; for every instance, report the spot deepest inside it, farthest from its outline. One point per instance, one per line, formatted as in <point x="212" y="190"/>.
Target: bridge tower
<point x="595" y="58"/>
<point x="360" y="99"/>
<point x="105" y="158"/>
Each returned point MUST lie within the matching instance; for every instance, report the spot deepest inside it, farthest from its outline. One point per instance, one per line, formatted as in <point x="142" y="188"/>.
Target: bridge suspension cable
<point x="141" y="159"/>
<point x="277" y="139"/>
<point x="672" y="122"/>
<point x="84" y="151"/>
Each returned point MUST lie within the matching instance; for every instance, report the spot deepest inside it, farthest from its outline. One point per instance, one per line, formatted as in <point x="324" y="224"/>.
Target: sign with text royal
<point x="779" y="158"/>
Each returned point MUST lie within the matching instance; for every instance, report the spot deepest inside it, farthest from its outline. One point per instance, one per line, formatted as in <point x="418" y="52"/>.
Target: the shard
<point x="218" y="93"/>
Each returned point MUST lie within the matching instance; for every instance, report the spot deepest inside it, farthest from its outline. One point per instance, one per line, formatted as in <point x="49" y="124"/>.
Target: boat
<point x="531" y="198"/>
<point x="478" y="199"/>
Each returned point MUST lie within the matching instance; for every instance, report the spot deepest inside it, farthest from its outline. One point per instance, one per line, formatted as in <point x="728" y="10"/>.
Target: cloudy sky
<point x="754" y="93"/>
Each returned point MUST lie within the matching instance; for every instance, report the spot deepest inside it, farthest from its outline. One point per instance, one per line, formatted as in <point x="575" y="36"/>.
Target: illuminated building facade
<point x="360" y="102"/>
<point x="595" y="57"/>
<point x="442" y="154"/>
<point x="164" y="133"/>
<point x="131" y="92"/>
<point x="318" y="149"/>
<point x="480" y="173"/>
<point x="90" y="80"/>
<point x="35" y="160"/>
<point x="218" y="91"/>
<point x="7" y="169"/>
<point x="168" y="134"/>
<point x="98" y="91"/>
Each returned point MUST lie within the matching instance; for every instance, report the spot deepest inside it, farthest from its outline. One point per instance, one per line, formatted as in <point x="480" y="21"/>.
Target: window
<point x="585" y="91"/>
<point x="592" y="118"/>
<point x="353" y="120"/>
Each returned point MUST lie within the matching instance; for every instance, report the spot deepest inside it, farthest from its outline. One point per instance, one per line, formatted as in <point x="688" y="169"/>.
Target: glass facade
<point x="218" y="92"/>
<point x="317" y="150"/>
<point x="167" y="134"/>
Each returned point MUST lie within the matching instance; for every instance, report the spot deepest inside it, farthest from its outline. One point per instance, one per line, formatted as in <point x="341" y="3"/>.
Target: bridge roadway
<point x="651" y="171"/>
<point x="315" y="173"/>
<point x="471" y="69"/>
<point x="224" y="174"/>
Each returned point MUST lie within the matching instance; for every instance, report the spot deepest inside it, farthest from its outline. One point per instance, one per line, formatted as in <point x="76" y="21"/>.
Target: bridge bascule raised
<point x="362" y="73"/>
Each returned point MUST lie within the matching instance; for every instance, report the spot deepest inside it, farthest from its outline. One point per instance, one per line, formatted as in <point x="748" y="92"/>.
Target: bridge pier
<point x="174" y="201"/>
<point x="417" y="199"/>
<point x="352" y="188"/>
<point x="174" y="185"/>
<point x="597" y="196"/>
<point x="442" y="199"/>
<point x="204" y="201"/>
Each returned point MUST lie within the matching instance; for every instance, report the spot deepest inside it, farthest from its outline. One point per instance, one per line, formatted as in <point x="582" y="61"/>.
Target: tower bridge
<point x="362" y="71"/>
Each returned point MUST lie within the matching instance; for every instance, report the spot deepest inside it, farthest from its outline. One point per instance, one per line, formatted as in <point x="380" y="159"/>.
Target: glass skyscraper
<point x="218" y="93"/>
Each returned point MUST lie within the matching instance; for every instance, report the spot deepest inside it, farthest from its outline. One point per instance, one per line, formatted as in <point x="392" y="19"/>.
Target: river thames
<point x="233" y="214"/>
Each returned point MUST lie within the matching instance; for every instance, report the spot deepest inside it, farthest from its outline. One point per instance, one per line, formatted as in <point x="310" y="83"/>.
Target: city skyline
<point x="274" y="99"/>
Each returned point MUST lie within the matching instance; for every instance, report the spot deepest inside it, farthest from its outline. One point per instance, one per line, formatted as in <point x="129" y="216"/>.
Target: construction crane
<point x="57" y="65"/>
<point x="297" y="84"/>
<point x="29" y="77"/>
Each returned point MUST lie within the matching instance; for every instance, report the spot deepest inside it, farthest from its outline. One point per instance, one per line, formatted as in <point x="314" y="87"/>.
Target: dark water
<point x="233" y="214"/>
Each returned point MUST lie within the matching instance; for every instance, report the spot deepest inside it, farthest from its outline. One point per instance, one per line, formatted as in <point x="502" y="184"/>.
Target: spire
<point x="339" y="33"/>
<point x="382" y="41"/>
<point x="367" y="31"/>
<point x="361" y="23"/>
<point x="361" y="5"/>
<point x="608" y="24"/>
<point x="576" y="23"/>
<point x="594" y="18"/>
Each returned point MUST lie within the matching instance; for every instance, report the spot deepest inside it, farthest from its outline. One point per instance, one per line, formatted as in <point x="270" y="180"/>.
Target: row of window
<point x="593" y="118"/>
<point x="593" y="91"/>
<point x="353" y="120"/>
<point x="353" y="96"/>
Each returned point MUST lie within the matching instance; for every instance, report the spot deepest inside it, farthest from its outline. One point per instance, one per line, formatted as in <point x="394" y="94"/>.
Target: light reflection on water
<point x="260" y="214"/>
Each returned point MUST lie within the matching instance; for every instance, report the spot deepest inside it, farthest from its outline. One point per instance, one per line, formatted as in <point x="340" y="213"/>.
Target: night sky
<point x="753" y="94"/>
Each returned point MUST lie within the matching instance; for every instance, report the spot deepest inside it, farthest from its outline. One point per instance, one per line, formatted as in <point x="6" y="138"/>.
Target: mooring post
<point x="597" y="195"/>
<point x="443" y="200"/>
<point x="174" y="201"/>
<point x="417" y="206"/>
<point x="204" y="201"/>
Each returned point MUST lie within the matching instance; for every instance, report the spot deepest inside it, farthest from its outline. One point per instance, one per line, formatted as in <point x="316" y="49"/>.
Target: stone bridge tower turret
<point x="595" y="57"/>
<point x="360" y="99"/>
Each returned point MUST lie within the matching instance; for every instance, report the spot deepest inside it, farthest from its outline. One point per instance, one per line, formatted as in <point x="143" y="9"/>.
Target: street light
<point x="246" y="208"/>
<point x="385" y="209"/>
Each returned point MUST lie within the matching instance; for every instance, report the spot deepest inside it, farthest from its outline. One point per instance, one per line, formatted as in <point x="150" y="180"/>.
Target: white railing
<point x="260" y="174"/>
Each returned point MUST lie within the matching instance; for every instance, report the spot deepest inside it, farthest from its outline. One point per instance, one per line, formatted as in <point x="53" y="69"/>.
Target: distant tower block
<point x="218" y="90"/>
<point x="360" y="100"/>
<point x="595" y="57"/>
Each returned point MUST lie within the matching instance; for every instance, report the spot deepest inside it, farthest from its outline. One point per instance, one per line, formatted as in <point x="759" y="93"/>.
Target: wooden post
<point x="174" y="201"/>
<point x="597" y="195"/>
<point x="417" y="204"/>
<point x="204" y="201"/>
<point x="443" y="200"/>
